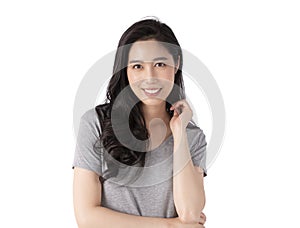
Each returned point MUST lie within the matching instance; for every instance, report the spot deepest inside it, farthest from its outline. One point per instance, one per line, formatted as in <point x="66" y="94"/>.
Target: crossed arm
<point x="89" y="213"/>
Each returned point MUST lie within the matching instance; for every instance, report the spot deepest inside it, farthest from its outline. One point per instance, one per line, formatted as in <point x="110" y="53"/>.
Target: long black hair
<point x="142" y="30"/>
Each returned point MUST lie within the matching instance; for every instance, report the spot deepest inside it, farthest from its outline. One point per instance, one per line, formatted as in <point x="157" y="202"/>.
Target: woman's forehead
<point x="147" y="51"/>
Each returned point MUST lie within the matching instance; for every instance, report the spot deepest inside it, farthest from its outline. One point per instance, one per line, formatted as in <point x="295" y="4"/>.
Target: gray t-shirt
<point x="152" y="193"/>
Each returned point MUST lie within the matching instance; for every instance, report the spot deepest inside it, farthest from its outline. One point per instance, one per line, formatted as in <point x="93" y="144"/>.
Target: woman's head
<point x="151" y="71"/>
<point x="146" y="40"/>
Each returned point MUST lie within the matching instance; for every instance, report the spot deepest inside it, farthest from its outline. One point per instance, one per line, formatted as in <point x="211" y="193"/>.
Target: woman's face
<point x="151" y="71"/>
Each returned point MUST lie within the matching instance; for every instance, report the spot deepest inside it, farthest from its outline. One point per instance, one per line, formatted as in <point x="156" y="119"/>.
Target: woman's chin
<point x="152" y="101"/>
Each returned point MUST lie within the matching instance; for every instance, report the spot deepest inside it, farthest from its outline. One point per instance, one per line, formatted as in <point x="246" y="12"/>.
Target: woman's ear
<point x="178" y="63"/>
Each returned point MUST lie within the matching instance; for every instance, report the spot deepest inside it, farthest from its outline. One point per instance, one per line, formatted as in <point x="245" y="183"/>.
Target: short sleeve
<point x="198" y="150"/>
<point x="86" y="155"/>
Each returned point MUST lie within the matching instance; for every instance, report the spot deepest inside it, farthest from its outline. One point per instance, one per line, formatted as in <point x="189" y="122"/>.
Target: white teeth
<point x="152" y="90"/>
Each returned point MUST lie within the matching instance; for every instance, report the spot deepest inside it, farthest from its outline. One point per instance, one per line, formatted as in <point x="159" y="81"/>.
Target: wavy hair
<point x="142" y="30"/>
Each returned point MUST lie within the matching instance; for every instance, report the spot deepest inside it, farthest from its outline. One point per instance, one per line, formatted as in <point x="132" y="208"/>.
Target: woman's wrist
<point x="178" y="134"/>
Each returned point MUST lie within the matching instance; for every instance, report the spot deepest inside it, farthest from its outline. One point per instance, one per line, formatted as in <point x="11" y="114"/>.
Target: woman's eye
<point x="137" y="66"/>
<point x="160" y="64"/>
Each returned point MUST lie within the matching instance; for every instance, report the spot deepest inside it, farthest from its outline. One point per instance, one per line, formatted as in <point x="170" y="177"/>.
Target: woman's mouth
<point x="151" y="92"/>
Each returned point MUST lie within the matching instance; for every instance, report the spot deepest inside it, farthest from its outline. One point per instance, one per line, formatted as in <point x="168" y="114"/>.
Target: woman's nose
<point x="149" y="71"/>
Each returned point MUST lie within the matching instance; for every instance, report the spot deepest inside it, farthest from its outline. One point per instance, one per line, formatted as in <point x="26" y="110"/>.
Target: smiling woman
<point x="158" y="183"/>
<point x="151" y="71"/>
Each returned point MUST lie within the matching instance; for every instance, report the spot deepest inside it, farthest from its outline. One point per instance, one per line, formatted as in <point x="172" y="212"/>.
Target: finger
<point x="181" y="107"/>
<point x="176" y="113"/>
<point x="177" y="109"/>
<point x="176" y="106"/>
<point x="201" y="221"/>
<point x="203" y="216"/>
<point x="180" y="103"/>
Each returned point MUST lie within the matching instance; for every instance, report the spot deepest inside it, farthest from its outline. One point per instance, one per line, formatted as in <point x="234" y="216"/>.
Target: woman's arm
<point x="89" y="213"/>
<point x="188" y="188"/>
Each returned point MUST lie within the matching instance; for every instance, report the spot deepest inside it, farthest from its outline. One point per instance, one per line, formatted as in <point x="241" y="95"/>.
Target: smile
<point x="152" y="92"/>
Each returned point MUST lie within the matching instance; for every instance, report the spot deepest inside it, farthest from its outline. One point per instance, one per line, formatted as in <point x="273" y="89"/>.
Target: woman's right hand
<point x="177" y="223"/>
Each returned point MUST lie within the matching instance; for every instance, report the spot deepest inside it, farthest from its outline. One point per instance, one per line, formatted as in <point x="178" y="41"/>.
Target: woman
<point x="140" y="159"/>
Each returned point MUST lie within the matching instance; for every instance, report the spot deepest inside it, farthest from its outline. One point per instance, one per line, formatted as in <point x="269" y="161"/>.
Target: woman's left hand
<point x="182" y="115"/>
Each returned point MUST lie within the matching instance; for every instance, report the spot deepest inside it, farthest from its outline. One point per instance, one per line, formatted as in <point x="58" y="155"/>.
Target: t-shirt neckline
<point x="162" y="144"/>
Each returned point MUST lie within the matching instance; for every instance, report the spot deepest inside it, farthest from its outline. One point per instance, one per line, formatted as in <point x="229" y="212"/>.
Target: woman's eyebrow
<point x="160" y="58"/>
<point x="155" y="59"/>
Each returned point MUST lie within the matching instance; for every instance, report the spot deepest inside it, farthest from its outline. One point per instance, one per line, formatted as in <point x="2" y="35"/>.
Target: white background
<point x="252" y="49"/>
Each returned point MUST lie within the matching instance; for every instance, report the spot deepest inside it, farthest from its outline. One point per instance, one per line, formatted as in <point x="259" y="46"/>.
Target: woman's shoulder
<point x="92" y="115"/>
<point x="193" y="127"/>
<point x="89" y="116"/>
<point x="194" y="131"/>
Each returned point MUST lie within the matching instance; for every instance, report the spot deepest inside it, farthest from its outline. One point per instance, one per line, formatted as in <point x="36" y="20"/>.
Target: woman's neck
<point x="157" y="123"/>
<point x="155" y="111"/>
